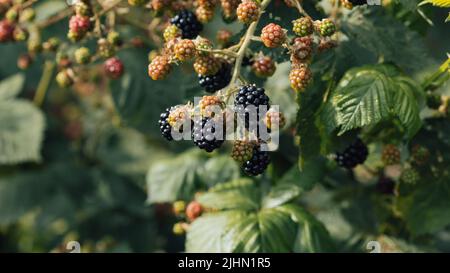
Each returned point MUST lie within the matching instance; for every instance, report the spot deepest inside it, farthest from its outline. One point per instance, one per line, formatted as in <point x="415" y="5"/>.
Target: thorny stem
<point x="44" y="83"/>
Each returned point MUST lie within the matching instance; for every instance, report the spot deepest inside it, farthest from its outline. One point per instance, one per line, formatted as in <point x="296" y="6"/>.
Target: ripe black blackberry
<point x="188" y="23"/>
<point x="204" y="136"/>
<point x="258" y="163"/>
<point x="217" y="81"/>
<point x="353" y="155"/>
<point x="164" y="126"/>
<point x="358" y="2"/>
<point x="250" y="95"/>
<point x="385" y="185"/>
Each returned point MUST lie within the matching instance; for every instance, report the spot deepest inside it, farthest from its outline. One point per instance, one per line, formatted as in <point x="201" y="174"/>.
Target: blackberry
<point x="385" y="185"/>
<point x="258" y="163"/>
<point x="194" y="210"/>
<point x="353" y="155"/>
<point x="164" y="125"/>
<point x="390" y="155"/>
<point x="358" y="2"/>
<point x="188" y="23"/>
<point x="204" y="136"/>
<point x="217" y="81"/>
<point x="254" y="96"/>
<point x="247" y="61"/>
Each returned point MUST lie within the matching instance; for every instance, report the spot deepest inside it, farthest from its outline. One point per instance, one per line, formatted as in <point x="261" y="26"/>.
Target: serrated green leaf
<point x="370" y="94"/>
<point x="21" y="132"/>
<point x="281" y="194"/>
<point x="11" y="86"/>
<point x="312" y="173"/>
<point x="219" y="169"/>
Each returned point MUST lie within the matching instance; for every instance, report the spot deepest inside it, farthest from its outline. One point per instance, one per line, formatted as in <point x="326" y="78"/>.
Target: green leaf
<point x="21" y="132"/>
<point x="386" y="37"/>
<point x="313" y="172"/>
<point x="281" y="194"/>
<point x="427" y="210"/>
<point x="219" y="169"/>
<point x="175" y="178"/>
<point x="407" y="101"/>
<point x="362" y="98"/>
<point x="239" y="224"/>
<point x="202" y="238"/>
<point x="239" y="194"/>
<point x="11" y="86"/>
<point x="312" y="236"/>
<point x="369" y="94"/>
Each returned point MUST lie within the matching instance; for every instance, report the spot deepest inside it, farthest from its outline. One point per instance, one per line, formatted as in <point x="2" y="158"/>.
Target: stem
<point x="56" y="18"/>
<point x="44" y="83"/>
<point x="245" y="43"/>
<point x="301" y="9"/>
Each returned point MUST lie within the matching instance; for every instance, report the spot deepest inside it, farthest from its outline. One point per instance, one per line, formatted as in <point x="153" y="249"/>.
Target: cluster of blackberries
<point x="353" y="155"/>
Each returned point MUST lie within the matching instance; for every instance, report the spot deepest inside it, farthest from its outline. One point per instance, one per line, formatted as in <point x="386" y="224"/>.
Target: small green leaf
<point x="281" y="194"/>
<point x="11" y="86"/>
<point x="21" y="132"/>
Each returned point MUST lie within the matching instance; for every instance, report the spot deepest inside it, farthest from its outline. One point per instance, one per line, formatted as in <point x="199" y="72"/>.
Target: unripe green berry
<point x="63" y="79"/>
<point x="12" y="15"/>
<point x="82" y="55"/>
<point x="114" y="38"/>
<point x="27" y="15"/>
<point x="105" y="48"/>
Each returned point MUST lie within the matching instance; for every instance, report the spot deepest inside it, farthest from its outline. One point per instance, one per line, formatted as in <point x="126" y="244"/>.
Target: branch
<point x="44" y="83"/>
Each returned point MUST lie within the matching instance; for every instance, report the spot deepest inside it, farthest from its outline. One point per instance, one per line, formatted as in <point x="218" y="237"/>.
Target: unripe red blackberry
<point x="194" y="210"/>
<point x="64" y="79"/>
<point x="410" y="176"/>
<point x="105" y="49"/>
<point x="171" y="32"/>
<point x="263" y="66"/>
<point x="272" y="118"/>
<point x="303" y="26"/>
<point x="326" y="27"/>
<point x="300" y="78"/>
<point x="113" y="67"/>
<point x="206" y="65"/>
<point x="6" y="31"/>
<point x="209" y="105"/>
<point x="273" y="35"/>
<point x="242" y="150"/>
<point x="82" y="55"/>
<point x="185" y="50"/>
<point x="20" y="34"/>
<point x="159" y="5"/>
<point x="79" y="26"/>
<point x="207" y="3"/>
<point x="204" y="14"/>
<point x="159" y="68"/>
<point x="247" y="11"/>
<point x="229" y="9"/>
<point x="223" y="36"/>
<point x="390" y="155"/>
<point x="420" y="155"/>
<point x="63" y="60"/>
<point x="137" y="2"/>
<point x="302" y="49"/>
<point x="24" y="61"/>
